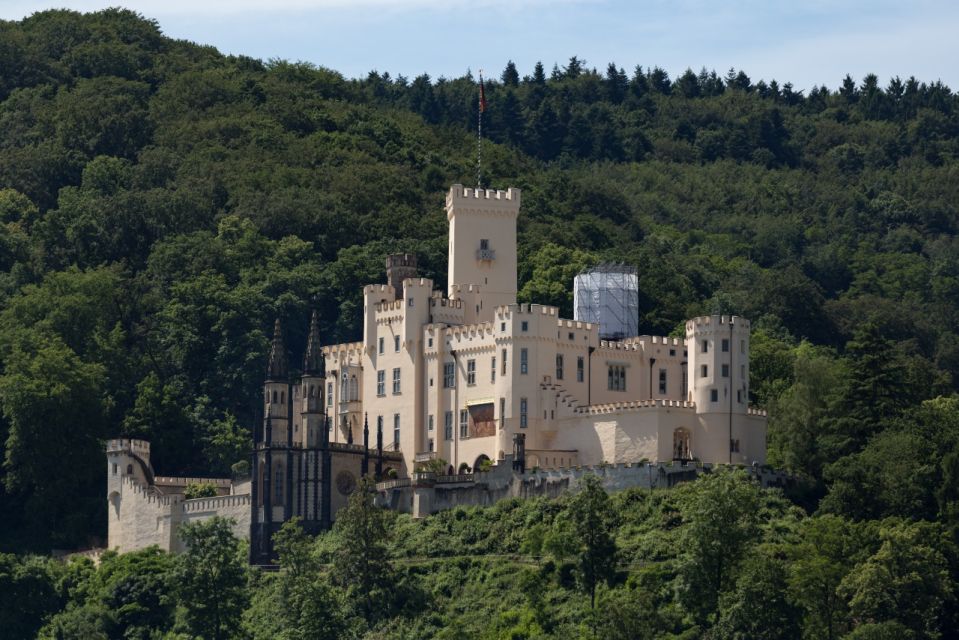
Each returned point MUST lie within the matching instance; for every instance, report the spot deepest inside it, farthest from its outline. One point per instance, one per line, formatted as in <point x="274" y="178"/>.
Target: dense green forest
<point x="162" y="203"/>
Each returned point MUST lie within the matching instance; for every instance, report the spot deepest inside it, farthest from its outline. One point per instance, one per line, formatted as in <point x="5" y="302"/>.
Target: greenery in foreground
<point x="717" y="558"/>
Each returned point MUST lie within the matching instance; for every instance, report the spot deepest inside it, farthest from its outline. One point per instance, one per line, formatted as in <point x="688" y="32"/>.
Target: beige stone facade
<point x="456" y="375"/>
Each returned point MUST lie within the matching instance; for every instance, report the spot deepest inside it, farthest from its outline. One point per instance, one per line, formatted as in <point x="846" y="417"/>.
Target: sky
<point x="806" y="42"/>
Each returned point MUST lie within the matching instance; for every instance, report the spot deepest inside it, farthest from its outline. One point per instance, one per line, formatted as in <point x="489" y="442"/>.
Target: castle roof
<point x="314" y="364"/>
<point x="279" y="366"/>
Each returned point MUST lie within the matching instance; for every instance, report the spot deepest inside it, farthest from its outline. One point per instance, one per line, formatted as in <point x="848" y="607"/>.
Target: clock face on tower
<point x="345" y="483"/>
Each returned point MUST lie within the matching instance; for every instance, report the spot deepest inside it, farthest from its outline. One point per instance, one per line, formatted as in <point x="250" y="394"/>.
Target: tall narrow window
<point x="396" y="344"/>
<point x="492" y="370"/>
<point x="278" y="484"/>
<point x="742" y="346"/>
<point x="725" y="370"/>
<point x="714" y="395"/>
<point x="616" y="377"/>
<point x="345" y="387"/>
<point x="662" y="381"/>
<point x="429" y="422"/>
<point x="503" y="371"/>
<point x="381" y="383"/>
<point x="448" y="425"/>
<point x="705" y="346"/>
<point x="396" y="380"/>
<point x="396" y="431"/>
<point x="704" y="371"/>
<point x="559" y="366"/>
<point x="523" y="406"/>
<point x="449" y="375"/>
<point x="524" y="326"/>
<point x="471" y="372"/>
<point x="524" y="361"/>
<point x="379" y="348"/>
<point x="725" y="345"/>
<point x="464" y="423"/>
<point x="502" y="413"/>
<point x="580" y="366"/>
<point x="329" y="394"/>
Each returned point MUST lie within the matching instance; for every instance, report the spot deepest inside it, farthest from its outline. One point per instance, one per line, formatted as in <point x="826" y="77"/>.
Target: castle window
<point x="396" y="344"/>
<point x="484" y="244"/>
<point x="429" y="341"/>
<point x="429" y="423"/>
<point x="502" y="326"/>
<point x="742" y="372"/>
<point x="734" y="446"/>
<point x="725" y="345"/>
<point x="410" y="302"/>
<point x="742" y="346"/>
<point x="278" y="484"/>
<point x="129" y="469"/>
<point x="572" y="335"/>
<point x="283" y="397"/>
<point x="448" y="425"/>
<point x="464" y="423"/>
<point x="503" y="365"/>
<point x="449" y="375"/>
<point x="471" y="372"/>
<point x="616" y="377"/>
<point x="312" y="391"/>
<point x="492" y="372"/>
<point x="274" y="396"/>
<point x="739" y="396"/>
<point x="502" y="413"/>
<point x="379" y="348"/>
<point x="524" y="361"/>
<point x="580" y="366"/>
<point x="396" y="380"/>
<point x="705" y="346"/>
<point x="430" y="445"/>
<point x="396" y="432"/>
<point x="704" y="371"/>
<point x="354" y="389"/>
<point x="381" y="383"/>
<point x="525" y="325"/>
<point x="523" y="406"/>
<point x="345" y="387"/>
<point x="662" y="381"/>
<point x="714" y="395"/>
<point x="725" y="370"/>
<point x="672" y="352"/>
<point x="559" y="366"/>
<point x="329" y="394"/>
<point x="114" y="468"/>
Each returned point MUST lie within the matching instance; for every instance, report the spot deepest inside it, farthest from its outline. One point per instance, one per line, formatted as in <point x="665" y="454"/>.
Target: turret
<point x="399" y="267"/>
<point x="718" y="370"/>
<point x="312" y="383"/>
<point x="277" y="388"/>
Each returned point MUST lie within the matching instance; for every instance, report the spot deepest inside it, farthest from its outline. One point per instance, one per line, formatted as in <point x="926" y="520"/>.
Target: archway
<point x="482" y="463"/>
<point x="682" y="444"/>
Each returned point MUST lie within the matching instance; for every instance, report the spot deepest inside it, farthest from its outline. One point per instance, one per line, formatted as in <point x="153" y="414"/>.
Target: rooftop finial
<point x="278" y="367"/>
<point x="313" y="362"/>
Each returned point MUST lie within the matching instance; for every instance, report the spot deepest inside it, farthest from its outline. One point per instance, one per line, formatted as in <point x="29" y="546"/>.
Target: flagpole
<point x="479" y="136"/>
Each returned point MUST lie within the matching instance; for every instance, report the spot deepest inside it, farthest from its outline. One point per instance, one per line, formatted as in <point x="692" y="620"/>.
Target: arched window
<point x="278" y="484"/>
<point x="354" y="390"/>
<point x="345" y="387"/>
<point x="274" y="396"/>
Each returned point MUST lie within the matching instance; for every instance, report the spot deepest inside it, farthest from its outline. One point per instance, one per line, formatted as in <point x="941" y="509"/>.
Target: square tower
<point x="482" y="248"/>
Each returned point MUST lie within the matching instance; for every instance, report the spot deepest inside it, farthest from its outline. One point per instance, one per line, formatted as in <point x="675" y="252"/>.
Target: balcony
<point x="485" y="254"/>
<point x="425" y="456"/>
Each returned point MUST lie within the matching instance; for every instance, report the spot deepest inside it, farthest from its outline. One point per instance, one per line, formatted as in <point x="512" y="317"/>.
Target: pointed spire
<point x="278" y="368"/>
<point x="314" y="364"/>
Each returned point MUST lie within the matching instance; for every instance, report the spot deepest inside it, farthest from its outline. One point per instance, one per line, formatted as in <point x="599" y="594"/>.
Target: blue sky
<point x="808" y="43"/>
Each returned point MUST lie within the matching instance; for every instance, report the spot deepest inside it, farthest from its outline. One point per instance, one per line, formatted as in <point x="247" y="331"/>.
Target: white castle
<point x="468" y="377"/>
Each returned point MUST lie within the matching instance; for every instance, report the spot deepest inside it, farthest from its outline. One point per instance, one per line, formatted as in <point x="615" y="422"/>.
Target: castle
<point x="462" y="379"/>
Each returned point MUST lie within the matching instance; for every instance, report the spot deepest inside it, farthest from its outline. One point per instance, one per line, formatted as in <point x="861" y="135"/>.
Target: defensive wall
<point x="427" y="493"/>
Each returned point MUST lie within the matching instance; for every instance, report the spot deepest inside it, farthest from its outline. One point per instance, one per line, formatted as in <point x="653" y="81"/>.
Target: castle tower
<point x="399" y="267"/>
<point x="482" y="244"/>
<point x="312" y="405"/>
<point x="128" y="462"/>
<point x="718" y="372"/>
<point x="276" y="390"/>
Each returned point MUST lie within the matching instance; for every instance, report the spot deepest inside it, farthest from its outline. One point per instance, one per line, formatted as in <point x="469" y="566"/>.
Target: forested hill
<point x="162" y="203"/>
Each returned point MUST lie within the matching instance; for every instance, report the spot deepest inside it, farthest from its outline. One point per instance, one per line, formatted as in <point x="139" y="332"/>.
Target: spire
<point x="313" y="362"/>
<point x="278" y="368"/>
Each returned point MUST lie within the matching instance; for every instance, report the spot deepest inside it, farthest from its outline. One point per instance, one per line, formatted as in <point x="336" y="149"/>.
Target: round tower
<point x="718" y="370"/>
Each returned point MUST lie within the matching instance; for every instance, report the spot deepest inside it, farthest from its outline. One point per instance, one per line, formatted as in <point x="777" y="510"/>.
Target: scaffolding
<point x="608" y="295"/>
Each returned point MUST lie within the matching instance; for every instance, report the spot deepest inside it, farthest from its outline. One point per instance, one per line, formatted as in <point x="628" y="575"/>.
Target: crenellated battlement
<point x="613" y="345"/>
<point x="140" y="448"/>
<point x="460" y="193"/>
<point x="216" y="503"/>
<point x="706" y="324"/>
<point x="635" y="405"/>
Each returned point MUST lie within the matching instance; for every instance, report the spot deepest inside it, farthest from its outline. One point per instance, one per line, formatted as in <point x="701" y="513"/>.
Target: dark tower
<point x="399" y="267"/>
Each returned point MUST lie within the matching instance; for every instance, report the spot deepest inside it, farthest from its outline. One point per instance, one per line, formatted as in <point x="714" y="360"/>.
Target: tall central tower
<point x="483" y="244"/>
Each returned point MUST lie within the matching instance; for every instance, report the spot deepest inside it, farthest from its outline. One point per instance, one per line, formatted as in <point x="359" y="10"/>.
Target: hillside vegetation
<point x="161" y="203"/>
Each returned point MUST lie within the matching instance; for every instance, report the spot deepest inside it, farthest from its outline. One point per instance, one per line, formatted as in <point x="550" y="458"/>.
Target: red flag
<point x="482" y="96"/>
